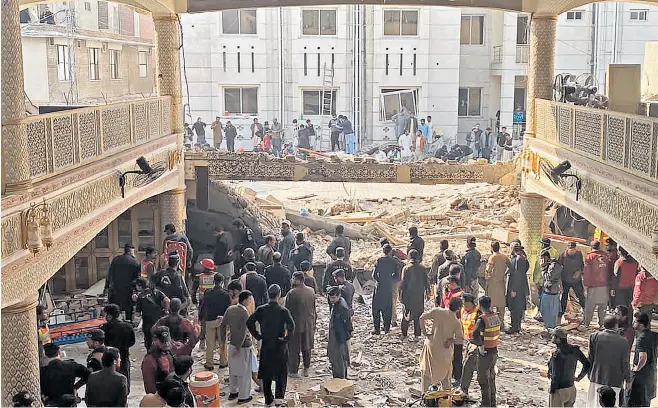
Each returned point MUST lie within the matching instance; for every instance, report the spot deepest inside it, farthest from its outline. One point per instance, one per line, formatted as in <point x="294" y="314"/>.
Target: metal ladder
<point x="326" y="107"/>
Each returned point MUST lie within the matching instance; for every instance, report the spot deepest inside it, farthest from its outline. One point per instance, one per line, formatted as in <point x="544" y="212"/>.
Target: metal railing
<point x="497" y="56"/>
<point x="64" y="140"/>
<point x="522" y="53"/>
<point x="627" y="142"/>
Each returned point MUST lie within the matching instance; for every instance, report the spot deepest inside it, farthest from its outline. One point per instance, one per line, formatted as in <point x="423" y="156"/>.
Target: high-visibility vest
<point x="206" y="281"/>
<point x="491" y="330"/>
<point x="44" y="335"/>
<point x="145" y="268"/>
<point x="468" y="322"/>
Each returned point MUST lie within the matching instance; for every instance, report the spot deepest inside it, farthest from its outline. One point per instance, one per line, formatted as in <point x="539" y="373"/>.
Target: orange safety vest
<point x="145" y="268"/>
<point x="468" y="322"/>
<point x="44" y="335"/>
<point x="206" y="281"/>
<point x="491" y="330"/>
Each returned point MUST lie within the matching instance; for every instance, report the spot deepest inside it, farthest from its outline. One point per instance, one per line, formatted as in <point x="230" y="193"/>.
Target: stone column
<point x="167" y="45"/>
<point x="541" y="65"/>
<point x="172" y="208"/>
<point x="15" y="153"/>
<point x="20" y="355"/>
<point x="531" y="228"/>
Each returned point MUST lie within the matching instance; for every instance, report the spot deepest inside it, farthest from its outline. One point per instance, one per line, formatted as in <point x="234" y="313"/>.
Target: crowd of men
<point x="257" y="306"/>
<point x="271" y="137"/>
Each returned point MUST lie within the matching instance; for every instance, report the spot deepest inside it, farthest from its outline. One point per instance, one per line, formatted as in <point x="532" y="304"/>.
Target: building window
<point x="136" y="32"/>
<point x="239" y="21"/>
<point x="522" y="30"/>
<point x="393" y="101"/>
<point x="312" y="101"/>
<point x="143" y="64"/>
<point x="241" y="101"/>
<point x="400" y="22"/>
<point x="94" y="67"/>
<point x="472" y="30"/>
<point x="319" y="22"/>
<point x="145" y="227"/>
<point x="639" y="15"/>
<point x="575" y="15"/>
<point x="87" y="6"/>
<point x="103" y="18"/>
<point x="63" y="63"/>
<point x="470" y="102"/>
<point x="114" y="64"/>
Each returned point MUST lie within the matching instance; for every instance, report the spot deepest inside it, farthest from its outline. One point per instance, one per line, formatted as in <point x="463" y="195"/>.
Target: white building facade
<point x="461" y="66"/>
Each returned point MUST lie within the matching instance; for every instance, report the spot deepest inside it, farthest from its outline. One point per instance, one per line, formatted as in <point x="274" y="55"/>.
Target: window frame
<point x="319" y="19"/>
<point x="320" y="97"/>
<point x="384" y="92"/>
<point x="639" y="13"/>
<point x="242" y="110"/>
<point x="94" y="63"/>
<point x="63" y="67"/>
<point x="115" y="64"/>
<point x="400" y="13"/>
<point x="576" y="15"/>
<point x="144" y="64"/>
<point x="481" y="18"/>
<point x="239" y="14"/>
<point x="468" y="102"/>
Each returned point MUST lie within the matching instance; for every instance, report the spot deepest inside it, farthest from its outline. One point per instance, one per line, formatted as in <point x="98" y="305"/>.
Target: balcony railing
<point x="64" y="140"/>
<point x="497" y="57"/>
<point x="522" y="53"/>
<point x="627" y="142"/>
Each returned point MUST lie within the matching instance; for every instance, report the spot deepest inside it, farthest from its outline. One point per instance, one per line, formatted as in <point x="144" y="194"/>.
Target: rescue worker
<point x="96" y="342"/>
<point x="159" y="361"/>
<point x="485" y="337"/>
<point x="468" y="316"/>
<point x="181" y="330"/>
<point x="151" y="304"/>
<point x="206" y="281"/>
<point x="44" y="332"/>
<point x="172" y="235"/>
<point x="147" y="266"/>
<point x="58" y="377"/>
<point x="546" y="246"/>
<point x="124" y="269"/>
<point x="243" y="238"/>
<point x="170" y="281"/>
<point x="119" y="334"/>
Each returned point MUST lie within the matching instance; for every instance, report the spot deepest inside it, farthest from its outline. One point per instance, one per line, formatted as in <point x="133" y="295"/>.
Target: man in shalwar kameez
<point x="436" y="356"/>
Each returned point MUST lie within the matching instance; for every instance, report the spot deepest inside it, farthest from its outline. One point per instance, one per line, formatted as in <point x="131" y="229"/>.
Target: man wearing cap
<point x="170" y="281"/>
<point x="595" y="278"/>
<point x="58" y="377"/>
<point x="121" y="335"/>
<point x="181" y="330"/>
<point x="278" y="274"/>
<point x="303" y="251"/>
<point x="546" y="246"/>
<point x="206" y="282"/>
<point x="96" y="342"/>
<point x="159" y="361"/>
<point x="340" y="262"/>
<point x="472" y="260"/>
<point x="414" y="290"/>
<point x="309" y="280"/>
<point x="172" y="235"/>
<point x="150" y="304"/>
<point x="255" y="283"/>
<point x="562" y="370"/>
<point x="517" y="286"/>
<point x="572" y="272"/>
<point x="223" y="253"/>
<point x="124" y="269"/>
<point x="286" y="244"/>
<point x="243" y="238"/>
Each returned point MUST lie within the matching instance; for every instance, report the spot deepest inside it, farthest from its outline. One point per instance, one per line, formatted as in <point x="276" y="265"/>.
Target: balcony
<point x="625" y="142"/>
<point x="62" y="141"/>
<point x="521" y="53"/>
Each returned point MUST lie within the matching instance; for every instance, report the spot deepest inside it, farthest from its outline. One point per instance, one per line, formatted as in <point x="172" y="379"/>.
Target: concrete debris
<point x="337" y="391"/>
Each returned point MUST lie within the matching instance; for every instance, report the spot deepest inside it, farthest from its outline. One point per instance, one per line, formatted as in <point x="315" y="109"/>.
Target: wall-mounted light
<point x="144" y="168"/>
<point x="37" y="227"/>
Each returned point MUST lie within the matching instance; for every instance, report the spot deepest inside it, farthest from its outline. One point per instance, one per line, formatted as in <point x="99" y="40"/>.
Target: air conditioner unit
<point x="51" y="41"/>
<point x="104" y="47"/>
<point x="79" y="43"/>
<point x="649" y="108"/>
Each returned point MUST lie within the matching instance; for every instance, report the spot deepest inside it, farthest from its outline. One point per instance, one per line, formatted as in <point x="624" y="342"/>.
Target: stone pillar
<point x="541" y="65"/>
<point x="167" y="45"/>
<point x="15" y="153"/>
<point x="531" y="228"/>
<point x="20" y="353"/>
<point x="172" y="208"/>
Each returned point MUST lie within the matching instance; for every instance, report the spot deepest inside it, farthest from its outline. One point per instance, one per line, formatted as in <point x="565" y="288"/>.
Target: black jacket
<point x="517" y="281"/>
<point x="471" y="260"/>
<point x="214" y="305"/>
<point x="340" y="324"/>
<point x="257" y="285"/>
<point x="124" y="269"/>
<point x="276" y="327"/>
<point x="119" y="334"/>
<point x="278" y="274"/>
<point x="107" y="388"/>
<point x="230" y="132"/>
<point x="58" y="378"/>
<point x="387" y="271"/>
<point x="562" y="366"/>
<point x="222" y="247"/>
<point x="418" y="244"/>
<point x="570" y="265"/>
<point x="609" y="355"/>
<point x="328" y="279"/>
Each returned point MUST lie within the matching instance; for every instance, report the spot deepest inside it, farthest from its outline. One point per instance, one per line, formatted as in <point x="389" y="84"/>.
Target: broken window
<point x="393" y="101"/>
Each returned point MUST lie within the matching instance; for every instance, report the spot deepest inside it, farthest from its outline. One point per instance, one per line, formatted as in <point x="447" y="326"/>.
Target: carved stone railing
<point x="626" y="142"/>
<point x="61" y="141"/>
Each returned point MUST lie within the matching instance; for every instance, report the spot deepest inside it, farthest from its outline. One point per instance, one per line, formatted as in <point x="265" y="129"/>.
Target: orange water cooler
<point x="206" y="384"/>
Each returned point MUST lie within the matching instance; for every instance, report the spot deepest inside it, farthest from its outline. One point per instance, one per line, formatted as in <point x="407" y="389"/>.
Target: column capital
<point x="552" y="17"/>
<point x="175" y="191"/>
<point x="530" y="196"/>
<point x="165" y="18"/>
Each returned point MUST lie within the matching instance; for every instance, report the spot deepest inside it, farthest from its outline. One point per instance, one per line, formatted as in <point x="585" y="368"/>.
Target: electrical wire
<point x="181" y="47"/>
